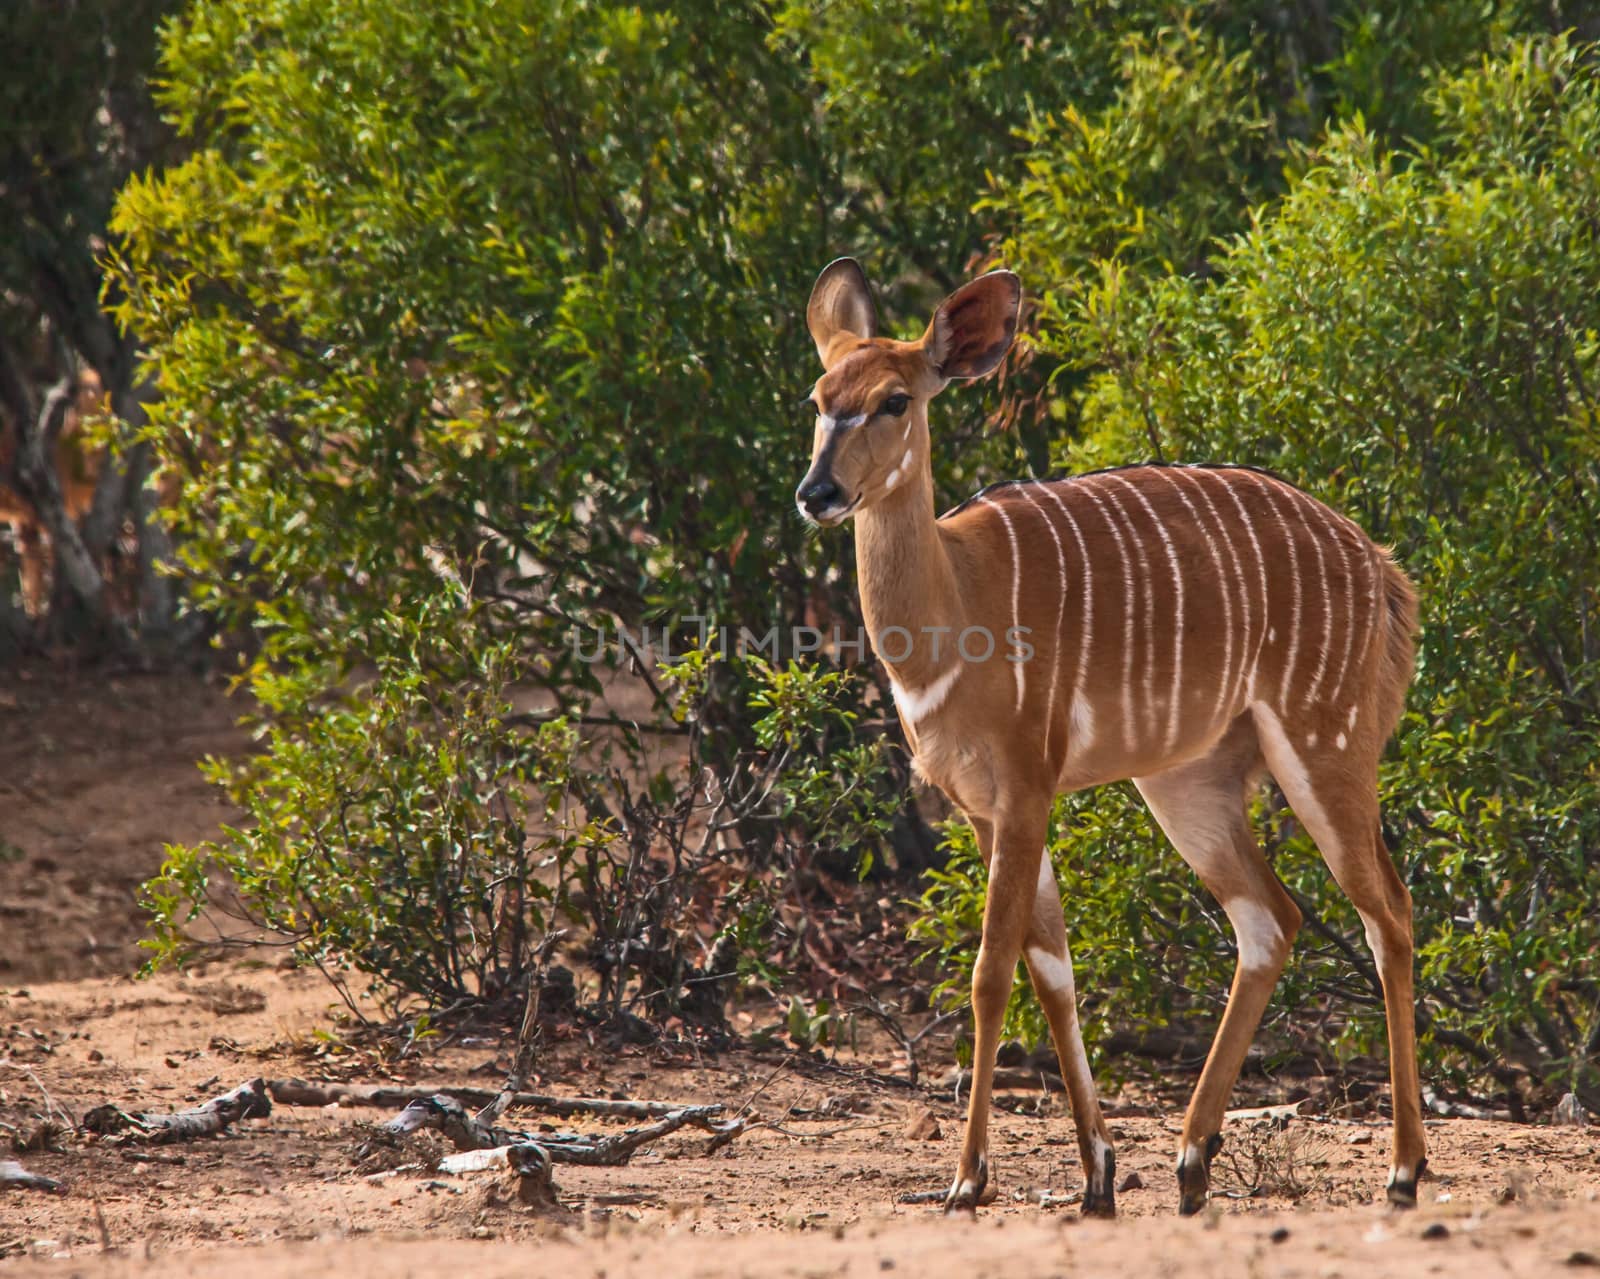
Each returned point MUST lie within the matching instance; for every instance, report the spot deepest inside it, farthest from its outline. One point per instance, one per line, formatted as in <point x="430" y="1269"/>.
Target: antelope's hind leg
<point x="1201" y="807"/>
<point x="1050" y="968"/>
<point x="1336" y="798"/>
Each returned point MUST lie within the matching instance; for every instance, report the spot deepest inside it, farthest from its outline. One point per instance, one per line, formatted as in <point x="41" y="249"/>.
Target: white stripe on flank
<point x="1300" y="501"/>
<point x="1350" y="619"/>
<point x="1177" y="626"/>
<point x="1376" y="627"/>
<point x="1222" y="579"/>
<point x="1147" y="601"/>
<point x="1261" y="573"/>
<point x="1061" y="609"/>
<point x="916" y="704"/>
<point x="1294" y="576"/>
<point x="1016" y="581"/>
<point x="1370" y="625"/>
<point x="1088" y="589"/>
<point x="1234" y="681"/>
<point x="1127" y="619"/>
<point x="1224" y="685"/>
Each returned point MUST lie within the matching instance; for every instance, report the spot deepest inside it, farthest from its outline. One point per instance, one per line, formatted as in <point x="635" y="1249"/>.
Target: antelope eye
<point x="895" y="405"/>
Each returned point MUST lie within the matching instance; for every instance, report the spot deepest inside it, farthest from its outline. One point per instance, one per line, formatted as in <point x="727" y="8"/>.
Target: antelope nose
<point x="818" y="496"/>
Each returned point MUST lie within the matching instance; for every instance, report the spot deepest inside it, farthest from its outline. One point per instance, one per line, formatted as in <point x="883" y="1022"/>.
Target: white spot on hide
<point x="1082" y="722"/>
<point x="1051" y="972"/>
<point x="1256" y="929"/>
<point x="916" y="705"/>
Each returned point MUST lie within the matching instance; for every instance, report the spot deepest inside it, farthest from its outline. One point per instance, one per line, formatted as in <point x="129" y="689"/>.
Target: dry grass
<point x="1274" y="1159"/>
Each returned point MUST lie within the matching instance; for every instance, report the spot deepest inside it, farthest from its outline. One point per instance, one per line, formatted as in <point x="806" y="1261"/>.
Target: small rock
<point x="1133" y="1181"/>
<point x="1359" y="1139"/>
<point x="924" y="1126"/>
<point x="1569" y="1112"/>
<point x="1279" y="1235"/>
<point x="1582" y="1258"/>
<point x="1436" y="1230"/>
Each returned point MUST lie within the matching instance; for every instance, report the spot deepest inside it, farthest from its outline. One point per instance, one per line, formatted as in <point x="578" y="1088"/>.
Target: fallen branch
<point x="247" y="1101"/>
<point x="1007" y="1078"/>
<point x="13" y="1176"/>
<point x="449" y="1117"/>
<point x="1461" y="1109"/>
<point x="299" y="1092"/>
<point x="1277" y="1114"/>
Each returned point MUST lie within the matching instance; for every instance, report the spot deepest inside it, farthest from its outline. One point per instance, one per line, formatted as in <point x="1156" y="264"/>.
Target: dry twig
<point x="299" y="1092"/>
<point x="247" y="1101"/>
<point x="463" y="1131"/>
<point x="13" y="1176"/>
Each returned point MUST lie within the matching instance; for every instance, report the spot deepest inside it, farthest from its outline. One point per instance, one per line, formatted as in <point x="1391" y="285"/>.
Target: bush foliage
<point x="502" y="302"/>
<point x="1414" y="333"/>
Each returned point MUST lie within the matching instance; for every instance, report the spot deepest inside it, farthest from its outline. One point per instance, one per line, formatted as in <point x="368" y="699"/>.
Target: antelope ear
<point x="974" y="326"/>
<point x="840" y="306"/>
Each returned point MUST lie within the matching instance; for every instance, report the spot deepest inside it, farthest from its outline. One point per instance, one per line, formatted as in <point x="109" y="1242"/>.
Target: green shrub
<point x="502" y="301"/>
<point x="1415" y="336"/>
<point x="416" y="829"/>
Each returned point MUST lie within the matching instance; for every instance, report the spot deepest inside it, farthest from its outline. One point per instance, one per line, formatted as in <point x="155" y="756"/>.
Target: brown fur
<point x="1187" y="627"/>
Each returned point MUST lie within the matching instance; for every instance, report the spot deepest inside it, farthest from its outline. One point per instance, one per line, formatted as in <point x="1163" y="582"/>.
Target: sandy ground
<point x="814" y="1195"/>
<point x="96" y="774"/>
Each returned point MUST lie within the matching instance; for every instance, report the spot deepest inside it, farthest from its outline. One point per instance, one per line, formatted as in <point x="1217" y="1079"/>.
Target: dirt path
<point x="282" y="1196"/>
<point x="1519" y="1242"/>
<point x="816" y="1195"/>
<point x="95" y="776"/>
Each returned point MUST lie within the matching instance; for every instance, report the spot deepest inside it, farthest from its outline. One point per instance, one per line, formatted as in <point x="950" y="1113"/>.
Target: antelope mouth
<point x="833" y="515"/>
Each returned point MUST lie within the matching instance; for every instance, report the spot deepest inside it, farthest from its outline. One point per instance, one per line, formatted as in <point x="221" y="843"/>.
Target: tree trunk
<point x="41" y="485"/>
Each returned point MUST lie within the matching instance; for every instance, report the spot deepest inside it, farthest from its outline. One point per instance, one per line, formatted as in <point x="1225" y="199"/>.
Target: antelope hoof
<point x="1194" y="1175"/>
<point x="967" y="1192"/>
<point x="1403" y="1188"/>
<point x="1100" y="1189"/>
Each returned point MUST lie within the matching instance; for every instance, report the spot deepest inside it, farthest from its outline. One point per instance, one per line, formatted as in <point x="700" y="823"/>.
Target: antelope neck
<point x="907" y="580"/>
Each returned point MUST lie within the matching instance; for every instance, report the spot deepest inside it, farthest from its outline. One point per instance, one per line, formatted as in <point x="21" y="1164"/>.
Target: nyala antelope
<point x="1188" y="627"/>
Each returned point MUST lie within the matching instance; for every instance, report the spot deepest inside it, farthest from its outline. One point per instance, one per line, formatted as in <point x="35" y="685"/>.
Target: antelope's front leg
<point x="1050" y="966"/>
<point x="1018" y="844"/>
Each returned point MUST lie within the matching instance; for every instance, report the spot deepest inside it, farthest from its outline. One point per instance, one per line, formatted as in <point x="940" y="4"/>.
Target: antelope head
<point x="872" y="399"/>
